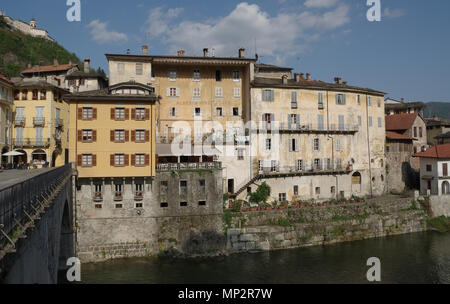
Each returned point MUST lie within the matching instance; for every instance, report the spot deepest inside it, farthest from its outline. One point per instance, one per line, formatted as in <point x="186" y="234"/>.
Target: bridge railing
<point x="20" y="200"/>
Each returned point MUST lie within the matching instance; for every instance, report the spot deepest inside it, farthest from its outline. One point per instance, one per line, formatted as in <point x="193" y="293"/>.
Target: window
<point x="35" y="94"/>
<point x="43" y="94"/>
<point x="380" y="122"/>
<point x="86" y="160"/>
<point x="333" y="190"/>
<point x="268" y="144"/>
<point x="236" y="76"/>
<point x="338" y="163"/>
<point x="196" y="76"/>
<point x="294" y="97"/>
<point x="340" y="99"/>
<point x="317" y="164"/>
<point x="370" y="121"/>
<point x="164" y="205"/>
<point x="172" y="75"/>
<point x="218" y="75"/>
<point x="172" y="92"/>
<point x="429" y="168"/>
<point x="219" y="92"/>
<point x="139" y="69"/>
<point x="236" y="92"/>
<point x="219" y="111"/>
<point x="358" y="99"/>
<point x="420" y="132"/>
<point x="378" y="102"/>
<point x="240" y="153"/>
<point x="369" y="101"/>
<point x="316" y="144"/>
<point x="140" y="136"/>
<point x="87" y="113"/>
<point x="164" y="187"/>
<point x="24" y="94"/>
<point x="183" y="187"/>
<point x="202" y="186"/>
<point x="139" y="160"/>
<point x="328" y="164"/>
<point x="197" y="112"/>
<point x="173" y="112"/>
<point x="294" y="121"/>
<point x="299" y="165"/>
<point x="119" y="135"/>
<point x="196" y="94"/>
<point x="293" y="147"/>
<point x="320" y="123"/>
<point x="295" y="190"/>
<point x="140" y="114"/>
<point x="121" y="68"/>
<point x="268" y="95"/>
<point x="415" y="131"/>
<point x="282" y="197"/>
<point x="202" y="203"/>
<point x="119" y="160"/>
<point x="341" y="124"/>
<point x="359" y="121"/>
<point x="87" y="135"/>
<point x="274" y="166"/>
<point x="317" y="190"/>
<point x="338" y="145"/>
<point x="320" y="100"/>
<point x="235" y="111"/>
<point x="183" y="204"/>
<point x="119" y="113"/>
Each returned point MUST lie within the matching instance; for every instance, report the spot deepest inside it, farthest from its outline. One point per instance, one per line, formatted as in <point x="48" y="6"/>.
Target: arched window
<point x="356" y="178"/>
<point x="445" y="188"/>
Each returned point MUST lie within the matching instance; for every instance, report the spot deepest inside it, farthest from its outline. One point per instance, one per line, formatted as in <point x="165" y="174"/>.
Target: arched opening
<point x="356" y="182"/>
<point x="445" y="188"/>
<point x="39" y="158"/>
<point x="20" y="159"/>
<point x="66" y="244"/>
<point x="4" y="159"/>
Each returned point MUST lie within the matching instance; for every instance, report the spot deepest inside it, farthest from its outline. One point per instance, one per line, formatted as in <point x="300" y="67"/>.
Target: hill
<point x="441" y="109"/>
<point x="18" y="49"/>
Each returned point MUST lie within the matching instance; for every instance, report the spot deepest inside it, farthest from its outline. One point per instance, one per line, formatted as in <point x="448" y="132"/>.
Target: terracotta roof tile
<point x="396" y="135"/>
<point x="439" y="151"/>
<point x="400" y="121"/>
<point x="49" y="68"/>
<point x="6" y="79"/>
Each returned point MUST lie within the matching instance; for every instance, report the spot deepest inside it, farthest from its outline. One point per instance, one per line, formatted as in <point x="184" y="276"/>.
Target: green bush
<point x="261" y="194"/>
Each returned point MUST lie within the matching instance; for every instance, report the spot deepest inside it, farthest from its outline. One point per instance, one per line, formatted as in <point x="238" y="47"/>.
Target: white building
<point x="434" y="170"/>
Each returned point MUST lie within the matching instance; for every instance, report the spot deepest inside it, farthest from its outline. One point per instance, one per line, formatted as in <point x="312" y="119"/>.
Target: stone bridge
<point x="36" y="227"/>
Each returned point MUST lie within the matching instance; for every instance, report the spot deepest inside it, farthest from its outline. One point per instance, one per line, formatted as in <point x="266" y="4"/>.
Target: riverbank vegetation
<point x="441" y="224"/>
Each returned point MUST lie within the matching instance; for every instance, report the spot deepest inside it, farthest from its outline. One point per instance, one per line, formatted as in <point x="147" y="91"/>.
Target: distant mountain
<point x="441" y="109"/>
<point x="18" y="49"/>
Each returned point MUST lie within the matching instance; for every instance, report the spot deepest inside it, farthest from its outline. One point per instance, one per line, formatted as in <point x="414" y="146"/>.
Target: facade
<point x="41" y="119"/>
<point x="312" y="139"/>
<point x="82" y="81"/>
<point x="393" y="106"/>
<point x="6" y="110"/>
<point x="434" y="170"/>
<point x="54" y="74"/>
<point x="436" y="128"/>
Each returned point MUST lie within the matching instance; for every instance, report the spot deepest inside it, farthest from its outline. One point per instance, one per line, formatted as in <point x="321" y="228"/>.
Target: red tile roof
<point x="395" y="135"/>
<point x="400" y="121"/>
<point x="439" y="151"/>
<point x="6" y="79"/>
<point x="49" y="68"/>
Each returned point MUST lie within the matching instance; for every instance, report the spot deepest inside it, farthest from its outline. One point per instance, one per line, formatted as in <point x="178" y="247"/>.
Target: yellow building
<point x="113" y="135"/>
<point x="41" y="118"/>
<point x="6" y="109"/>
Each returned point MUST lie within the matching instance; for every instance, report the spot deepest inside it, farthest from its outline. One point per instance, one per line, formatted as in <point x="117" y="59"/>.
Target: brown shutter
<point x="80" y="160"/>
<point x="133" y="114"/>
<point x="127" y="114"/>
<point x="80" y="113"/>
<point x="94" y="113"/>
<point x="133" y="135"/>
<point x="147" y="159"/>
<point x="133" y="159"/>
<point x="147" y="135"/>
<point x="113" y="114"/>
<point x="126" y="159"/>
<point x="94" y="135"/>
<point x="80" y="135"/>
<point x="111" y="159"/>
<point x="147" y="114"/>
<point x="94" y="160"/>
<point x="111" y="135"/>
<point x="127" y="135"/>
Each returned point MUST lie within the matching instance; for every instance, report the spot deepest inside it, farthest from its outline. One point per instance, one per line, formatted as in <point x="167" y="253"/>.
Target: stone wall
<point x="440" y="205"/>
<point x="400" y="174"/>
<point x="283" y="229"/>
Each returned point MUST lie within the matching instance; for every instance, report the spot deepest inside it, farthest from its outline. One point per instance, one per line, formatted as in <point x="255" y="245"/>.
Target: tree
<point x="261" y="194"/>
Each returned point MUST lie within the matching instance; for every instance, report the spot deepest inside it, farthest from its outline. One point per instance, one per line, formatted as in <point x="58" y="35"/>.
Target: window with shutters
<point x="236" y="92"/>
<point x="294" y="121"/>
<point x="236" y="76"/>
<point x="294" y="99"/>
<point x="196" y="76"/>
<point x="369" y="101"/>
<point x="340" y="99"/>
<point x="370" y="121"/>
<point x="140" y="114"/>
<point x="219" y="92"/>
<point x="380" y="122"/>
<point x="139" y="160"/>
<point x="140" y="136"/>
<point x="316" y="144"/>
<point x="196" y="94"/>
<point x="320" y="100"/>
<point x="320" y="122"/>
<point x="139" y="69"/>
<point x="172" y="75"/>
<point x="119" y="113"/>
<point x="86" y="160"/>
<point x="198" y="112"/>
<point x="87" y="113"/>
<point x="173" y="112"/>
<point x="317" y="164"/>
<point x="268" y="144"/>
<point x="119" y="160"/>
<point x="293" y="147"/>
<point x="358" y="99"/>
<point x="86" y="136"/>
<point x="268" y="95"/>
<point x="338" y="145"/>
<point x="299" y="165"/>
<point x="172" y="92"/>
<point x="119" y="136"/>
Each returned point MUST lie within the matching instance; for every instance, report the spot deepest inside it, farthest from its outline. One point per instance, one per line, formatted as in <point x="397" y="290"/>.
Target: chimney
<point x="181" y="53"/>
<point x="308" y="76"/>
<point x="285" y="79"/>
<point x="70" y="62"/>
<point x="337" y="80"/>
<point x="402" y="100"/>
<point x="55" y="62"/>
<point x="87" y="65"/>
<point x="297" y="77"/>
<point x="241" y="52"/>
<point x="302" y="75"/>
<point x="145" y="50"/>
<point x="205" y="52"/>
<point x="344" y="82"/>
<point x="29" y="65"/>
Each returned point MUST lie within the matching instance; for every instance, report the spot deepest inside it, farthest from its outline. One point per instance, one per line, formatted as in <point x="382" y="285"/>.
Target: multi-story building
<point x="86" y="80"/>
<point x="393" y="106"/>
<point x="434" y="170"/>
<point x="436" y="128"/>
<point x="312" y="139"/>
<point x="6" y="110"/>
<point x="54" y="74"/>
<point x="41" y="119"/>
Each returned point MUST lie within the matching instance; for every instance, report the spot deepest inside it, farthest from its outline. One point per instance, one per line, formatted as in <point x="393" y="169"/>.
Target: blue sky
<point x="405" y="55"/>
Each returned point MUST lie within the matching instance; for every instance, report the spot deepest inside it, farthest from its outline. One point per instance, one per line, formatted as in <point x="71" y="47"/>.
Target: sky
<point x="406" y="54"/>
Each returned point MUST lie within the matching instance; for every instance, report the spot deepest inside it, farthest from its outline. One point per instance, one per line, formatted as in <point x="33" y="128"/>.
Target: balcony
<point x="188" y="166"/>
<point x="59" y="122"/>
<point x="98" y="197"/>
<point x="311" y="169"/>
<point x="38" y="121"/>
<point x="31" y="143"/>
<point x="139" y="196"/>
<point x="118" y="196"/>
<point x="306" y="128"/>
<point x="19" y="122"/>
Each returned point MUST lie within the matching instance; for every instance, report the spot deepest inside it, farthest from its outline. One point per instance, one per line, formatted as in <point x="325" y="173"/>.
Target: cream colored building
<point x="6" y="110"/>
<point x="41" y="119"/>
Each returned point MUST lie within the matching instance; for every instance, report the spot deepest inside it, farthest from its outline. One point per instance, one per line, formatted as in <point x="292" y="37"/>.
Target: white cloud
<point x="320" y="3"/>
<point x="393" y="13"/>
<point x="280" y="36"/>
<point x="101" y="34"/>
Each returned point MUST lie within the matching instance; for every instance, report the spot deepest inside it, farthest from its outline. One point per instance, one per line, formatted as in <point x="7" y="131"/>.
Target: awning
<point x="13" y="153"/>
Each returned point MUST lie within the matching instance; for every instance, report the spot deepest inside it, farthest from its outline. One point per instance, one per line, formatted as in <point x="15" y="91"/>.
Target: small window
<point x="320" y="100"/>
<point x="163" y="187"/>
<point x="268" y="144"/>
<point x="380" y="122"/>
<point x="358" y="99"/>
<point x="219" y="111"/>
<point x="236" y="76"/>
<point x="378" y="102"/>
<point x="196" y="94"/>
<point x="316" y="146"/>
<point x="299" y="165"/>
<point x="202" y="203"/>
<point x="183" y="204"/>
<point x="202" y="186"/>
<point x="235" y="111"/>
<point x="173" y="112"/>
<point x="218" y="75"/>
<point x="139" y="69"/>
<point x="340" y="99"/>
<point x="196" y="76"/>
<point x="164" y="205"/>
<point x="370" y="121"/>
<point x="429" y="168"/>
<point x="197" y="112"/>
<point x="282" y="197"/>
<point x="369" y="101"/>
<point x="173" y="92"/>
<point x="317" y="190"/>
<point x="172" y="75"/>
<point x="219" y="92"/>
<point x="236" y="92"/>
<point x="268" y="95"/>
<point x="333" y="188"/>
<point x="295" y="190"/>
<point x="183" y="187"/>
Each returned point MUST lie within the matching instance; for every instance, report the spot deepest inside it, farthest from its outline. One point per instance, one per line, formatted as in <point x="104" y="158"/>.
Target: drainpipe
<point x="368" y="146"/>
<point x="332" y="148"/>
